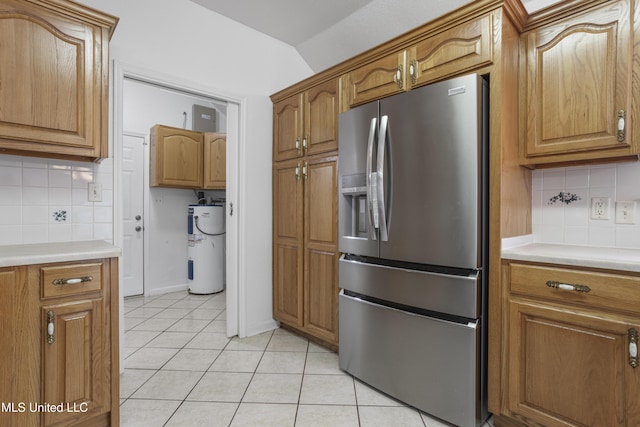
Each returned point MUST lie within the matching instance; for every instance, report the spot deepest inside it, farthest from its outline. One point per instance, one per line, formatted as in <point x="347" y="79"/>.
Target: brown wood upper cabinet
<point x="215" y="160"/>
<point x="182" y="158"/>
<point x="176" y="157"/>
<point x="54" y="66"/>
<point x="451" y="51"/>
<point x="306" y="123"/>
<point x="383" y="77"/>
<point x="459" y="49"/>
<point x="576" y="86"/>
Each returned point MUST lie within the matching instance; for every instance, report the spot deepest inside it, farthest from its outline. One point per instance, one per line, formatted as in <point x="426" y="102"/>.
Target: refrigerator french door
<point x="413" y="210"/>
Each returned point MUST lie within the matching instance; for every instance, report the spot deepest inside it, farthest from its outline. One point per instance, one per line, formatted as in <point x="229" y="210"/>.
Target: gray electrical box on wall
<point x="204" y="118"/>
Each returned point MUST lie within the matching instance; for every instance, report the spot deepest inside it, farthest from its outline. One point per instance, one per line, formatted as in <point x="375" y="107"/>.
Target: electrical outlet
<point x="600" y="207"/>
<point x="625" y="212"/>
<point x="95" y="192"/>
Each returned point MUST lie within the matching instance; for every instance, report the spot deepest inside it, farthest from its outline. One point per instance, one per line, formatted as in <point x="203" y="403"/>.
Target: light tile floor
<point x="182" y="370"/>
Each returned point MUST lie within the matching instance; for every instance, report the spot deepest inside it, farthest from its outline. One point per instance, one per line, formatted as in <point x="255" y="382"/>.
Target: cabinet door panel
<point x="376" y="80"/>
<point x="176" y="157"/>
<point x="74" y="372"/>
<point x="287" y="298"/>
<point x="54" y="75"/>
<point x="321" y="118"/>
<point x="215" y="160"/>
<point x="321" y="209"/>
<point x="462" y="48"/>
<point x="20" y="349"/>
<point x="287" y="128"/>
<point x="288" y="241"/>
<point x="321" y="294"/>
<point x="321" y="248"/>
<point x="569" y="368"/>
<point x="577" y="78"/>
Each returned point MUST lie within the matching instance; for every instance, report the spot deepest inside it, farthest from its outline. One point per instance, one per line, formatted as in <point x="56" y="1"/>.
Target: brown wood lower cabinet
<point x="59" y="345"/>
<point x="305" y="264"/>
<point x="570" y="348"/>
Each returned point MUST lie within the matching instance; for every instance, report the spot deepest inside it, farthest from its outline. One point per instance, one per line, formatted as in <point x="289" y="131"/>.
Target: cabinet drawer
<point x="591" y="288"/>
<point x="62" y="280"/>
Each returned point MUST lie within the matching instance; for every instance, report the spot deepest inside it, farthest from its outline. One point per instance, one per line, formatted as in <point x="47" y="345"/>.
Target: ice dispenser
<point x="354" y="191"/>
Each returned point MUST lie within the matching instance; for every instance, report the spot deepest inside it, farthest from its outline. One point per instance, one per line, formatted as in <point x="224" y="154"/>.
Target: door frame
<point x="236" y="122"/>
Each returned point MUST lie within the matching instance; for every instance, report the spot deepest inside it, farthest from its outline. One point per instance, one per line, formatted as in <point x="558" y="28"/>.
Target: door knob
<point x="138" y="217"/>
<point x="138" y="228"/>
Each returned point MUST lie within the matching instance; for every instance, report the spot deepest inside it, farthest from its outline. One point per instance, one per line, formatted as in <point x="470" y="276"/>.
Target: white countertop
<point x="580" y="256"/>
<point x="40" y="253"/>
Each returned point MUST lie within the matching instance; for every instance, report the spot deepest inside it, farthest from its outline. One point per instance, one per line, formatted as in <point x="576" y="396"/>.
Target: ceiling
<point x="330" y="31"/>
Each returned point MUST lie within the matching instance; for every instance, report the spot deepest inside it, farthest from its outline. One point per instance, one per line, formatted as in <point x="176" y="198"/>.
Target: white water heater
<point x="205" y="251"/>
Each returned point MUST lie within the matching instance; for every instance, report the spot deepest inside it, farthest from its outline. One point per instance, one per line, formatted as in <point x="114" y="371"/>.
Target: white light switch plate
<point x="95" y="192"/>
<point x="625" y="212"/>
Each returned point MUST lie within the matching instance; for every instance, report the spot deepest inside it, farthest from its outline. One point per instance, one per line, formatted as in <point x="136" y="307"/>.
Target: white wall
<point x="558" y="222"/>
<point x="178" y="39"/>
<point x="183" y="40"/>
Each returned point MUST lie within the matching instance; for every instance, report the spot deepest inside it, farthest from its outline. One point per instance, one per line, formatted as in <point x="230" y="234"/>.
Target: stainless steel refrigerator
<point x="413" y="214"/>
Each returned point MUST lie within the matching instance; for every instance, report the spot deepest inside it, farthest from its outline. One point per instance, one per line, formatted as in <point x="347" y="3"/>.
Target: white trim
<point x="236" y="134"/>
<point x="168" y="289"/>
<point x="236" y="324"/>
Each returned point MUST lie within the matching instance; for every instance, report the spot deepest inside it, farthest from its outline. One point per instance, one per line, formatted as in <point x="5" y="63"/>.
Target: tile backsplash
<point x="47" y="200"/>
<point x="561" y="205"/>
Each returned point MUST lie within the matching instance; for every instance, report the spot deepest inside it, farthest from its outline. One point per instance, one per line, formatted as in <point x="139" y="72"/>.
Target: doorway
<point x="125" y="216"/>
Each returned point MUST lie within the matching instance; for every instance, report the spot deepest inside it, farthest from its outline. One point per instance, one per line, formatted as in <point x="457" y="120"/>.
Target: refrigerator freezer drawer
<point x="428" y="363"/>
<point x="443" y="293"/>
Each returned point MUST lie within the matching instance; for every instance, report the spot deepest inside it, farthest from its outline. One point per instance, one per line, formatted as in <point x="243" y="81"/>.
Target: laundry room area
<point x="173" y="228"/>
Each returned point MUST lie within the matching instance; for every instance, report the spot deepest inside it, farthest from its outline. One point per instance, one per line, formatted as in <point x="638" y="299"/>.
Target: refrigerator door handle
<point x="382" y="147"/>
<point x="372" y="196"/>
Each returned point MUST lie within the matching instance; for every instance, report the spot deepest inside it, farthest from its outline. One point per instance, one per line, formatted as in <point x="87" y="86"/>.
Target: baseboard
<point x="168" y="290"/>
<point x="258" y="328"/>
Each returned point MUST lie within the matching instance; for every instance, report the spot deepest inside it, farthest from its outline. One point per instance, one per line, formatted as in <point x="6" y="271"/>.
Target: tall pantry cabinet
<point x="305" y="207"/>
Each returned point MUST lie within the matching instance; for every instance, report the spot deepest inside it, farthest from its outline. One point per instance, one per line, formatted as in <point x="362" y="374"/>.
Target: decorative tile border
<point x="564" y="197"/>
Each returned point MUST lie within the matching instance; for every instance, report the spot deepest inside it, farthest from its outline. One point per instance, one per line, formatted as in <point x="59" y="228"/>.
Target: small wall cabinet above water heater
<point x="182" y="158"/>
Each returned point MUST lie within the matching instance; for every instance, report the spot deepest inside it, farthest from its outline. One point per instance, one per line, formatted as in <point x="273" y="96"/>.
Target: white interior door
<point x="132" y="215"/>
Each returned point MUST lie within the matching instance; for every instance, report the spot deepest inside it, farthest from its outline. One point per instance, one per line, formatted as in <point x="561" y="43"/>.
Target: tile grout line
<point x="253" y="374"/>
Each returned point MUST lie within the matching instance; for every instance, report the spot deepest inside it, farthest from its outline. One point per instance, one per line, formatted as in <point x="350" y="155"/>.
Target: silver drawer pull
<point x="568" y="287"/>
<point x="74" y="281"/>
